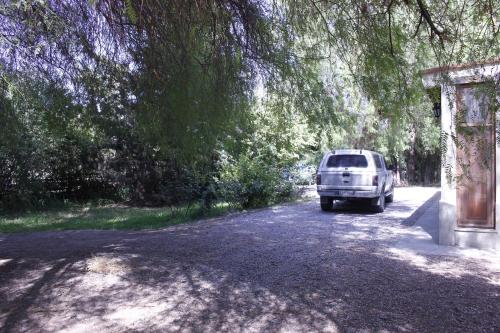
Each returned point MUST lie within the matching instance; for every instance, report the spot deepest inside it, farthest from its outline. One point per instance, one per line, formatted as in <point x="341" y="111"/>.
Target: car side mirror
<point x="392" y="168"/>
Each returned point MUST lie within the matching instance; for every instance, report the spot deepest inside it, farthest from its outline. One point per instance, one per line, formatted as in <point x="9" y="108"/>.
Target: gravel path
<point x="290" y="268"/>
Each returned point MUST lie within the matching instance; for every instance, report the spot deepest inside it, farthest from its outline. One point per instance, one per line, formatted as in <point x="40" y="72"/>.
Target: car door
<point x="389" y="176"/>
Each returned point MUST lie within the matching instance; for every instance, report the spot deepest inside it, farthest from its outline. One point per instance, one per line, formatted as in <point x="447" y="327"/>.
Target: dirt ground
<point x="289" y="268"/>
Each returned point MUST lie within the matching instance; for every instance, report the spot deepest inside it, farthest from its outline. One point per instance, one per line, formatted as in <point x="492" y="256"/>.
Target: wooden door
<point x="475" y="157"/>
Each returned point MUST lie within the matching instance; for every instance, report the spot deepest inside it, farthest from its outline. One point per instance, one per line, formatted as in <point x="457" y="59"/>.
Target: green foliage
<point x="170" y="102"/>
<point x="132" y="14"/>
<point x="105" y="217"/>
<point x="250" y="181"/>
<point x="55" y="149"/>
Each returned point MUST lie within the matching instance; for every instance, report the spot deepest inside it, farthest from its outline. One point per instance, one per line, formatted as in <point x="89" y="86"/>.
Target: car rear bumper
<point x="348" y="192"/>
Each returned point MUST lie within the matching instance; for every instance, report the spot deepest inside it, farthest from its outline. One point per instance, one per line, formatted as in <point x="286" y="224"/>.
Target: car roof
<point x="353" y="152"/>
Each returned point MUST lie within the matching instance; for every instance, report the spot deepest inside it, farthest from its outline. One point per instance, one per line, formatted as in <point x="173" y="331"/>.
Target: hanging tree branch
<point x="424" y="12"/>
<point x="418" y="26"/>
<point x="390" y="29"/>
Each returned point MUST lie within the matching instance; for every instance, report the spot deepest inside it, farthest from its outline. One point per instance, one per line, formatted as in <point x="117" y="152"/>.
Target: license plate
<point x="343" y="193"/>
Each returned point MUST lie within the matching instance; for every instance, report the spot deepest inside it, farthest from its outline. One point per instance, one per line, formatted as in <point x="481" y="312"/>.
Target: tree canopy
<point x="143" y="97"/>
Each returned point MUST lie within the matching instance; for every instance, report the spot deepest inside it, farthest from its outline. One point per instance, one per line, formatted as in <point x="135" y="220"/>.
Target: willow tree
<point x="181" y="75"/>
<point x="186" y="66"/>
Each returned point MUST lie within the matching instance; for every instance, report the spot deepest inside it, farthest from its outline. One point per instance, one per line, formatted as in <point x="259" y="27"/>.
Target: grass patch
<point x="109" y="217"/>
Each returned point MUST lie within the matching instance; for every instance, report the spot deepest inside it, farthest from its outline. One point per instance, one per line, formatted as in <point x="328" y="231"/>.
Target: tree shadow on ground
<point x="281" y="269"/>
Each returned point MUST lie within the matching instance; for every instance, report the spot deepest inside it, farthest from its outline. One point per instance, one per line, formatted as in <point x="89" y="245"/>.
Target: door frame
<point x="491" y="213"/>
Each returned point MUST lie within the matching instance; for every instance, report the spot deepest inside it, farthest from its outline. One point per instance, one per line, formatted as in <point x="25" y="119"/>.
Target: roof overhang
<point x="461" y="74"/>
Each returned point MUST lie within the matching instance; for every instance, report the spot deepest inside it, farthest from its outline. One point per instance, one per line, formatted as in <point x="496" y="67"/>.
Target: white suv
<point x="354" y="174"/>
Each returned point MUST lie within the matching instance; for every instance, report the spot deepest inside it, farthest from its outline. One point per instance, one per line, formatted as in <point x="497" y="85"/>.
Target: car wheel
<point x="380" y="206"/>
<point x="326" y="203"/>
<point x="390" y="197"/>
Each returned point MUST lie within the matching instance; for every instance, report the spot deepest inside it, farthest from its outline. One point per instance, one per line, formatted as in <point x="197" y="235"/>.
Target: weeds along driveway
<point x="289" y="268"/>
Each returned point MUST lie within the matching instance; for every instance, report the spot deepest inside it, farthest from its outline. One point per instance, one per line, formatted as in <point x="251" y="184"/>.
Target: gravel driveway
<point x="289" y="268"/>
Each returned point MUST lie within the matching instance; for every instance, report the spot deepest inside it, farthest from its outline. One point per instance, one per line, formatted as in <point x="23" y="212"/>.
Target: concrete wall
<point x="448" y="202"/>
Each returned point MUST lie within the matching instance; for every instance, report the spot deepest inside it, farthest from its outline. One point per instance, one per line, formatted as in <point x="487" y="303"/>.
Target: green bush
<point x="251" y="182"/>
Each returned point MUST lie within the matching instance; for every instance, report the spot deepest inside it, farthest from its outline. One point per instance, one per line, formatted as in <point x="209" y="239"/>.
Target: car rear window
<point x="378" y="161"/>
<point x="347" y="161"/>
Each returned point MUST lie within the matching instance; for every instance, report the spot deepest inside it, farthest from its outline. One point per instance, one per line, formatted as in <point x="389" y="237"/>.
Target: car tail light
<point x="375" y="181"/>
<point x="318" y="179"/>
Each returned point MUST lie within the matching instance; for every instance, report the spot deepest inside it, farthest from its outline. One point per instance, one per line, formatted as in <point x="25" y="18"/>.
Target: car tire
<point x="380" y="204"/>
<point x="326" y="203"/>
<point x="390" y="197"/>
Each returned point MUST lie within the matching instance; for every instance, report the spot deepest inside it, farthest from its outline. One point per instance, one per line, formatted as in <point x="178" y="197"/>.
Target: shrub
<point x="252" y="182"/>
